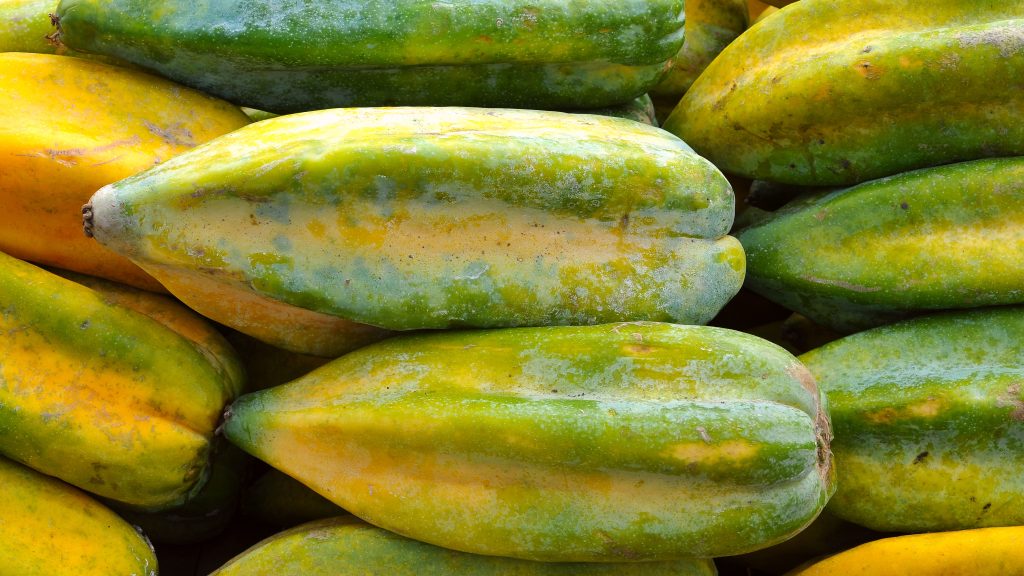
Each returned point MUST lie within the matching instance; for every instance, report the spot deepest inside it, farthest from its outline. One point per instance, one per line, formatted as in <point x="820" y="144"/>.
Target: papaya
<point x="931" y="239"/>
<point x="929" y="421"/>
<point x="25" y="24"/>
<point x="296" y="56"/>
<point x="979" y="552"/>
<point x="612" y="443"/>
<point x="710" y="26"/>
<point x="105" y="397"/>
<point x="348" y="546"/>
<point x="49" y="527"/>
<point x="828" y="93"/>
<point x="307" y="231"/>
<point x="68" y="126"/>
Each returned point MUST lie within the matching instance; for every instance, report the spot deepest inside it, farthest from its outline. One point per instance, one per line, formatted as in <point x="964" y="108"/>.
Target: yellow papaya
<point x="978" y="552"/>
<point x="48" y="527"/>
<point x="69" y="126"/>
<point x="104" y="397"/>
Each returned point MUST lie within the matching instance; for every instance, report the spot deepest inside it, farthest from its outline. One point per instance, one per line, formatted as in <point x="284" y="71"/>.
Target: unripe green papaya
<point x="929" y="421"/>
<point x="103" y="396"/>
<point x="48" y="527"/>
<point x="291" y="56"/>
<point x="610" y="443"/>
<point x="298" y="230"/>
<point x="829" y="93"/>
<point x="349" y="546"/>
<point x="932" y="239"/>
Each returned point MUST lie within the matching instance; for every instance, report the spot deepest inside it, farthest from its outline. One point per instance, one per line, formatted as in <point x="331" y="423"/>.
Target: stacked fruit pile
<point x="455" y="298"/>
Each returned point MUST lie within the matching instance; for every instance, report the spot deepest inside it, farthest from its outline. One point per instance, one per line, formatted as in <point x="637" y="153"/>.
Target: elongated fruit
<point x="48" y="527"/>
<point x="838" y="92"/>
<point x="932" y="239"/>
<point x="618" y="442"/>
<point x="292" y="56"/>
<point x="929" y="421"/>
<point x="70" y="126"/>
<point x="981" y="552"/>
<point x="102" y="396"/>
<point x="295" y="228"/>
<point x="349" y="546"/>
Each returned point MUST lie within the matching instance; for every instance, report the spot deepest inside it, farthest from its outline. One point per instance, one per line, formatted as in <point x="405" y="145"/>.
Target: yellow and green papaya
<point x="932" y="239"/>
<point x="69" y="126"/>
<point x="347" y="545"/>
<point x="979" y="552"/>
<point x="301" y="229"/>
<point x="929" y="421"/>
<point x="25" y="25"/>
<point x="619" y="442"/>
<point x="104" y="397"/>
<point x="829" y="93"/>
<point x="48" y="527"/>
<point x="296" y="56"/>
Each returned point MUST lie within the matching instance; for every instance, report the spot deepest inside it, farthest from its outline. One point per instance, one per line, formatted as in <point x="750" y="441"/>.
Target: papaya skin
<point x="349" y="546"/>
<point x="929" y="421"/>
<point x="69" y="126"/>
<point x="932" y="239"/>
<point x="51" y="528"/>
<point x="563" y="444"/>
<point x="543" y="54"/>
<point x="412" y="218"/>
<point x="980" y="552"/>
<point x="863" y="90"/>
<point x="104" y="397"/>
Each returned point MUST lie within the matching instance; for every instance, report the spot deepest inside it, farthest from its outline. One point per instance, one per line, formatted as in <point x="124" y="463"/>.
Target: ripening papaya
<point x="48" y="527"/>
<point x="929" y="421"/>
<point x="319" y="232"/>
<point x="296" y="56"/>
<point x="931" y="239"/>
<point x="613" y="443"/>
<point x="347" y="545"/>
<point x="69" y="126"/>
<point x="107" y="397"/>
<point x="832" y="93"/>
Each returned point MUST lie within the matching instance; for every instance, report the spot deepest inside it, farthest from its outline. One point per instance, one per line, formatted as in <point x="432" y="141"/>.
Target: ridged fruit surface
<point x="407" y="218"/>
<point x="290" y="56"/>
<point x="348" y="546"/>
<point x="69" y="126"/>
<point x="932" y="239"/>
<point x="929" y="421"/>
<point x="611" y="443"/>
<point x="838" y="92"/>
<point x="48" y="527"/>
<point x="102" y="396"/>
<point x="981" y="552"/>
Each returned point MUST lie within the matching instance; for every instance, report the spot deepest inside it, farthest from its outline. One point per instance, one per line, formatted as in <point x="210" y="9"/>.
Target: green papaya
<point x="104" y="395"/>
<point x="929" y="421"/>
<point x="832" y="93"/>
<point x="611" y="443"/>
<point x="48" y="527"/>
<point x="291" y="56"/>
<point x="348" y="546"/>
<point x="931" y="239"/>
<point x="303" y="229"/>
